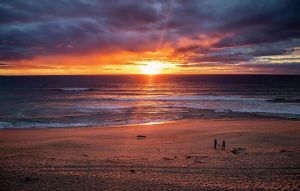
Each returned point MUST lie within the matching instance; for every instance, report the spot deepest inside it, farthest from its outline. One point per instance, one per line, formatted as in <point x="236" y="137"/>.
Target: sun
<point x="151" y="67"/>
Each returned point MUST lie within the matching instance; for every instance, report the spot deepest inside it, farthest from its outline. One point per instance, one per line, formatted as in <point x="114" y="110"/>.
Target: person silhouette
<point x="223" y="145"/>
<point x="215" y="144"/>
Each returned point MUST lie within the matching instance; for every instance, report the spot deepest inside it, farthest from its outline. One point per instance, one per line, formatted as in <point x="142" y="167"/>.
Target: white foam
<point x="4" y="125"/>
<point x="246" y="107"/>
<point x="95" y="108"/>
<point x="41" y="125"/>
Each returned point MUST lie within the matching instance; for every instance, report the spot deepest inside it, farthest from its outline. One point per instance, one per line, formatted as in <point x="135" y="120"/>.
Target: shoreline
<point x="260" y="154"/>
<point x="204" y="115"/>
<point x="156" y="123"/>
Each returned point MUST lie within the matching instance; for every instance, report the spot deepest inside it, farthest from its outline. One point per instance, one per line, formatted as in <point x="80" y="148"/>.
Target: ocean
<point x="82" y="101"/>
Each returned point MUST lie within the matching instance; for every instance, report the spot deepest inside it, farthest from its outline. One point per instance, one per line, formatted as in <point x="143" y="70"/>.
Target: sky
<point x="42" y="37"/>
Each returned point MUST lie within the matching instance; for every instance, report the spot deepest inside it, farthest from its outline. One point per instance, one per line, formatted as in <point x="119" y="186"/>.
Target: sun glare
<point x="151" y="67"/>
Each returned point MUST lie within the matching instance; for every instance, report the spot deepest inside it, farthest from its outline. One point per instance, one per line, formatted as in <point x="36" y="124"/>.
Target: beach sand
<point x="261" y="154"/>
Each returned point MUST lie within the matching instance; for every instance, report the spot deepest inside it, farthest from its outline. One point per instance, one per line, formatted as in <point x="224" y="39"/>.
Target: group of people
<point x="216" y="143"/>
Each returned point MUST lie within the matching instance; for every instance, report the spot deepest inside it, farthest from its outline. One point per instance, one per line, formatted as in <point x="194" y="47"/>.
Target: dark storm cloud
<point x="246" y="29"/>
<point x="237" y="54"/>
<point x="30" y="28"/>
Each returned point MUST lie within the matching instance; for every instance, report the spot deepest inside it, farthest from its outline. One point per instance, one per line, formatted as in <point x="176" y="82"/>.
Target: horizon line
<point x="248" y="74"/>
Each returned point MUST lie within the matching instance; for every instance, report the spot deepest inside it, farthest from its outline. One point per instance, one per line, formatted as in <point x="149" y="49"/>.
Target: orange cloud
<point x="118" y="62"/>
<point x="201" y="40"/>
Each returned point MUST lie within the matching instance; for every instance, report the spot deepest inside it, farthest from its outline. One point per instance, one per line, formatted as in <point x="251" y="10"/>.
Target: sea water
<point x="80" y="101"/>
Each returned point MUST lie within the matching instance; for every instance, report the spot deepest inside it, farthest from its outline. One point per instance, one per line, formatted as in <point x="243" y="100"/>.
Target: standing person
<point x="223" y="145"/>
<point x="215" y="144"/>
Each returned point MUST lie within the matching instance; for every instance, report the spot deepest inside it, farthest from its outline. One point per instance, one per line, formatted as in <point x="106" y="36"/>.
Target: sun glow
<point x="151" y="67"/>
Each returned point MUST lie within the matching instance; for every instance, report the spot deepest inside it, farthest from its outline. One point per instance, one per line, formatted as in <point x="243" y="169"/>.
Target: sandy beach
<point x="260" y="154"/>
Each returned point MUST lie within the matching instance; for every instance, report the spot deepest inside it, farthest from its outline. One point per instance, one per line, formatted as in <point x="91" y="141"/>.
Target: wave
<point x="41" y="125"/>
<point x="222" y="107"/>
<point x="265" y="111"/>
<point x="251" y="106"/>
<point x="166" y="98"/>
<point x="5" y="125"/>
<point x="283" y="100"/>
<point x="95" y="108"/>
<point x="193" y="98"/>
<point x="75" y="89"/>
<point x="262" y="112"/>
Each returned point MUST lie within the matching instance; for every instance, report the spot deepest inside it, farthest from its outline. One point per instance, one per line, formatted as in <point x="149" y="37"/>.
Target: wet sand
<point x="260" y="154"/>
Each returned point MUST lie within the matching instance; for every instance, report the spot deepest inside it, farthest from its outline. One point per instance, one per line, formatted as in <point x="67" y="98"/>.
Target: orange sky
<point x="166" y="61"/>
<point x="114" y="62"/>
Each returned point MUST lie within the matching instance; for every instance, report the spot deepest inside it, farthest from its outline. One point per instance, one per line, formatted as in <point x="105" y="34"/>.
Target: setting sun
<point x="151" y="67"/>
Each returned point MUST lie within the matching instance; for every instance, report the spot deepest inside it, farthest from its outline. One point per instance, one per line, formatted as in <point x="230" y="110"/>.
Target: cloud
<point x="4" y="65"/>
<point x="208" y="31"/>
<point x="293" y="68"/>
